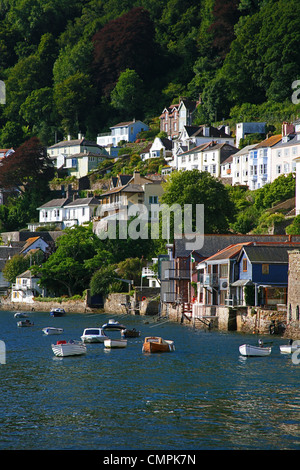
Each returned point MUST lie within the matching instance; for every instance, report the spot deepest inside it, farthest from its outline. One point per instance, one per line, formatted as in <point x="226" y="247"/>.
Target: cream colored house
<point x="77" y="156"/>
<point x="116" y="203"/>
<point x="26" y="288"/>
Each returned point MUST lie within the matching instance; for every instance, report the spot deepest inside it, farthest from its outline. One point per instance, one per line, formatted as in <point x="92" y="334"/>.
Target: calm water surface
<point x="202" y="396"/>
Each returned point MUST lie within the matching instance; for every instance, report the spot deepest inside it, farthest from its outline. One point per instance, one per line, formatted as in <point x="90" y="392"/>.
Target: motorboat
<point x="50" y="330"/>
<point x="20" y="315"/>
<point x="289" y="348"/>
<point x="250" y="350"/>
<point x="130" y="333"/>
<point x="156" y="344"/>
<point x="93" y="335"/>
<point x="25" y="323"/>
<point x="71" y="348"/>
<point x="115" y="343"/>
<point x="57" y="312"/>
<point x="113" y="325"/>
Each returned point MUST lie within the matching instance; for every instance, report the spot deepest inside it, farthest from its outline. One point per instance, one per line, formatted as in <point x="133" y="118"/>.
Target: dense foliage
<point x="74" y="65"/>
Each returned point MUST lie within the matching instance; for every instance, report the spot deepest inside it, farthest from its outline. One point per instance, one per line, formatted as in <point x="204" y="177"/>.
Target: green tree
<point x="66" y="271"/>
<point x="73" y="98"/>
<point x="127" y="95"/>
<point x="294" y="228"/>
<point x="194" y="187"/>
<point x="102" y="280"/>
<point x="15" y="266"/>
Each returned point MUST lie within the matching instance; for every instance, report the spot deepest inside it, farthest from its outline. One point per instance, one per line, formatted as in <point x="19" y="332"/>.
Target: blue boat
<point x="57" y="312"/>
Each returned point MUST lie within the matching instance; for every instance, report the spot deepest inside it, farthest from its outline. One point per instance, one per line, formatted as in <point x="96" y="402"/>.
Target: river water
<point x="203" y="396"/>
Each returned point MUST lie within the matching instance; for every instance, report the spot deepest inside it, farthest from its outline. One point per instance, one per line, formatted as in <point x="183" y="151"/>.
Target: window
<point x="265" y="269"/>
<point x="278" y="169"/>
<point x="224" y="270"/>
<point x="244" y="265"/>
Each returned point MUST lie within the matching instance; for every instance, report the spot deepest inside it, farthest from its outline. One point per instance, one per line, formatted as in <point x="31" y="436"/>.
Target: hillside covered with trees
<point x="73" y="65"/>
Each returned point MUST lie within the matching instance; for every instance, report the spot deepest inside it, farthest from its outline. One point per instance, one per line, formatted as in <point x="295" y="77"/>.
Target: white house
<point x="126" y="131"/>
<point x="26" y="288"/>
<point x="161" y="147"/>
<point x="260" y="157"/>
<point x="239" y="166"/>
<point x="66" y="213"/>
<point x="193" y="136"/>
<point x="284" y="154"/>
<point x="206" y="157"/>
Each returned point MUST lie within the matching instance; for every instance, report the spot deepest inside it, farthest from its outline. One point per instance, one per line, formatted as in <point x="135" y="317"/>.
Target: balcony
<point x="177" y="274"/>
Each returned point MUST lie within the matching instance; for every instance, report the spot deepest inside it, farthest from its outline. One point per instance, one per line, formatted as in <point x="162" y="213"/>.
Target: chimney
<point x="287" y="129"/>
<point x="69" y="136"/>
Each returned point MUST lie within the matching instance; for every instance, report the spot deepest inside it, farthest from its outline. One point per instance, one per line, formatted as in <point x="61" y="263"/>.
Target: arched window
<point x="290" y="312"/>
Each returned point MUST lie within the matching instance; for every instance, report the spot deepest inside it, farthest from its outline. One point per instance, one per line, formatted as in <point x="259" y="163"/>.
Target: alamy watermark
<point x="2" y="92"/>
<point x="139" y="221"/>
<point x="296" y="93"/>
<point x="296" y="353"/>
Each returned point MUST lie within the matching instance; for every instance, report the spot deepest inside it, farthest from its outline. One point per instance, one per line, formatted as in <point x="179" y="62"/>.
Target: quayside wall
<point x="241" y="319"/>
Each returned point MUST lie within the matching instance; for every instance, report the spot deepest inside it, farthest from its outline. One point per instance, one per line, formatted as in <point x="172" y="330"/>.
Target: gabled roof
<point x="269" y="142"/>
<point x="127" y="188"/>
<point x="229" y="252"/>
<point x="27" y="274"/>
<point x="212" y="243"/>
<point x="55" y="203"/>
<point x="29" y="242"/>
<point x="71" y="143"/>
<point x="268" y="254"/>
<point x="86" y="201"/>
<point x="245" y="150"/>
<point x="125" y="124"/>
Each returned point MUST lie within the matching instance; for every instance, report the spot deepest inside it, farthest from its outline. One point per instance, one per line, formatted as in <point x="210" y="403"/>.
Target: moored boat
<point x="25" y="323"/>
<point x="130" y="333"/>
<point x="250" y="350"/>
<point x="155" y="344"/>
<point x="50" y="330"/>
<point x="93" y="335"/>
<point x="72" y="348"/>
<point x="113" y="325"/>
<point x="115" y="343"/>
<point x="20" y="315"/>
<point x="289" y="348"/>
<point x="57" y="312"/>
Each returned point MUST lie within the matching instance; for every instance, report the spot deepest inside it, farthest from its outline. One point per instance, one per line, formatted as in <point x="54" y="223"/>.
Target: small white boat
<point x="93" y="335"/>
<point x="250" y="350"/>
<point x="115" y="343"/>
<point x="113" y="325"/>
<point x="20" y="315"/>
<point x="72" y="348"/>
<point x="23" y="323"/>
<point x="290" y="348"/>
<point x="57" y="312"/>
<point x="50" y="330"/>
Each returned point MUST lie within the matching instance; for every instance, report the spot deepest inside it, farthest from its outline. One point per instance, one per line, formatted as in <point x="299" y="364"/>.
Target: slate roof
<point x="86" y="201"/>
<point x="214" y="243"/>
<point x="268" y="254"/>
<point x="55" y="203"/>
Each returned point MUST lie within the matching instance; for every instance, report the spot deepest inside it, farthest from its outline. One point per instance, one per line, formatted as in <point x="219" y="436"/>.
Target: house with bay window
<point x="259" y="163"/>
